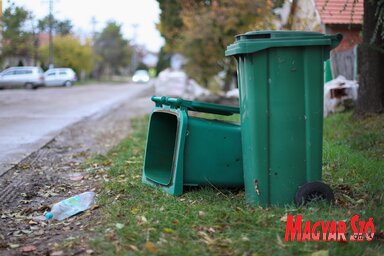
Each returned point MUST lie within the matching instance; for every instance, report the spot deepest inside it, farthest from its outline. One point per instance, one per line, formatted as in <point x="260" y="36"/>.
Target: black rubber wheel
<point x="29" y="86"/>
<point x="67" y="84"/>
<point x="314" y="191"/>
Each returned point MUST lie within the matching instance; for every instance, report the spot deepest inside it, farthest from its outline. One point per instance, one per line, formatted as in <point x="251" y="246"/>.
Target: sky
<point x="143" y="13"/>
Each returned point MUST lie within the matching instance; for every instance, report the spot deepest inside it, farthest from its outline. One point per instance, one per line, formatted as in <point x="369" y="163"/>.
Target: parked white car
<point x="27" y="77"/>
<point x="60" y="77"/>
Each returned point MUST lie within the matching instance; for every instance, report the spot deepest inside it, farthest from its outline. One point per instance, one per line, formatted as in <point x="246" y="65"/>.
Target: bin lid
<point x="255" y="41"/>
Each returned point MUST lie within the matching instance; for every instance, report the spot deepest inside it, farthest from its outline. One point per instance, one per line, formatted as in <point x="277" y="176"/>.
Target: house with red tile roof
<point x="342" y="16"/>
<point x="330" y="17"/>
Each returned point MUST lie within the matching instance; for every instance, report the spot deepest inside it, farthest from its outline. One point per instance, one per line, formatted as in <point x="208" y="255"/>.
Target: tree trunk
<point x="371" y="63"/>
<point x="228" y="81"/>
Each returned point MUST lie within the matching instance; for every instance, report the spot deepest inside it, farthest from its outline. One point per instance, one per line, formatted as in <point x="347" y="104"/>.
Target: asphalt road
<point x="31" y="118"/>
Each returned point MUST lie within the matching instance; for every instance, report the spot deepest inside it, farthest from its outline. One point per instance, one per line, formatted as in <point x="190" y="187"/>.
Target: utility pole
<point x="1" y="26"/>
<point x="134" y="58"/>
<point x="51" y="65"/>
<point x="93" y="23"/>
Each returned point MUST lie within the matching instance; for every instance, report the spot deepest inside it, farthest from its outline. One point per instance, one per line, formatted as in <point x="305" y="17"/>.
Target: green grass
<point x="140" y="219"/>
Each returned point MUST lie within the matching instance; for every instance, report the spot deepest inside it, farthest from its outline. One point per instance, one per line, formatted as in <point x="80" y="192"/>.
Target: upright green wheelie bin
<point x="280" y="76"/>
<point x="188" y="151"/>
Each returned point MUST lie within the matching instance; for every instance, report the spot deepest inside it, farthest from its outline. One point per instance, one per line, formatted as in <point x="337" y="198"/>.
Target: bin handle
<point x="196" y="106"/>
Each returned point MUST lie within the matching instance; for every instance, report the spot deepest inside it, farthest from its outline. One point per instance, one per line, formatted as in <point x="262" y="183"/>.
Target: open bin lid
<point x="196" y="106"/>
<point x="255" y="41"/>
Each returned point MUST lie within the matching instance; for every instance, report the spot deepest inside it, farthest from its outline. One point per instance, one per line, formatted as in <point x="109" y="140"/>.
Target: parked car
<point x="140" y="76"/>
<point x="27" y="77"/>
<point x="60" y="77"/>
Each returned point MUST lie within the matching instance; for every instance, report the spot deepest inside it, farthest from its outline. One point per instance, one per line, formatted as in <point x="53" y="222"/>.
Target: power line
<point x="50" y="25"/>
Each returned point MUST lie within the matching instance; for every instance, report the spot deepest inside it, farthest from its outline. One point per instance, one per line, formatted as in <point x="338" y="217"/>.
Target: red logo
<point x="328" y="230"/>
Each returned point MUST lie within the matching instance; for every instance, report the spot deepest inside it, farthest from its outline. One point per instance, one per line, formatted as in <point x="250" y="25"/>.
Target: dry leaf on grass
<point x="151" y="247"/>
<point x="133" y="247"/>
<point x="168" y="230"/>
<point x="206" y="238"/>
<point x="320" y="253"/>
<point x="28" y="248"/>
<point x="119" y="225"/>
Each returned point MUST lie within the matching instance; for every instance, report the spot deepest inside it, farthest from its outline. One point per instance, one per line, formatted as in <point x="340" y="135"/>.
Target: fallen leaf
<point x="119" y="225"/>
<point x="32" y="222"/>
<point x="89" y="251"/>
<point x="168" y="230"/>
<point x="211" y="230"/>
<point x="76" y="176"/>
<point x="39" y="233"/>
<point x="320" y="253"/>
<point x="133" y="248"/>
<point x="279" y="241"/>
<point x="142" y="220"/>
<point x="151" y="247"/>
<point x="134" y="211"/>
<point x="13" y="246"/>
<point x="57" y="253"/>
<point x="17" y="233"/>
<point x="238" y="209"/>
<point x="28" y="248"/>
<point x="26" y="231"/>
<point x="27" y="211"/>
<point x="207" y="239"/>
<point x="202" y="214"/>
<point x="34" y="228"/>
<point x="94" y="207"/>
<point x="284" y="218"/>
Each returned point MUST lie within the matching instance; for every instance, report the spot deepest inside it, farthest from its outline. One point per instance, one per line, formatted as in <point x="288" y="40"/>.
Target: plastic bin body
<point x="280" y="76"/>
<point x="188" y="151"/>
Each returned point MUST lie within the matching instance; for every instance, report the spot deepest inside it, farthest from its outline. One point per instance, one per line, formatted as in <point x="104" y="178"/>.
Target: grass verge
<point x="139" y="219"/>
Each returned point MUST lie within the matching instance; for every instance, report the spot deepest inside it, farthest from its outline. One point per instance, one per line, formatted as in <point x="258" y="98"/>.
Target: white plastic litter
<point x="175" y="83"/>
<point x="234" y="93"/>
<point x="337" y="92"/>
<point x="71" y="206"/>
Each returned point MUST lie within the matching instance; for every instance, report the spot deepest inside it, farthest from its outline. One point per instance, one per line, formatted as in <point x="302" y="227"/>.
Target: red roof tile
<point x="340" y="11"/>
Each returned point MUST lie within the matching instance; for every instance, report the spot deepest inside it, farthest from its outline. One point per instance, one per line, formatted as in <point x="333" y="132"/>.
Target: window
<point x="19" y="72"/>
<point x="11" y="72"/>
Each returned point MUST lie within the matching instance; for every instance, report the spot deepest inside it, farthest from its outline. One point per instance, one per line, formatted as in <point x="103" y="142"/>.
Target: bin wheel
<point x="314" y="191"/>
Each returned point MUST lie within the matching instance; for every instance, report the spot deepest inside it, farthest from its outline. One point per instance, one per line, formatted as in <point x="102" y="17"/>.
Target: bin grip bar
<point x="196" y="106"/>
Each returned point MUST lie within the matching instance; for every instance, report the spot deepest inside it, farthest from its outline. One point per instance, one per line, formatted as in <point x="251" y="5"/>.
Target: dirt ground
<point x="56" y="172"/>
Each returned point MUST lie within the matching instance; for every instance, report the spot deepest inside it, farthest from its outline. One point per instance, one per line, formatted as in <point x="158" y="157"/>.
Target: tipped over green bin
<point x="189" y="151"/>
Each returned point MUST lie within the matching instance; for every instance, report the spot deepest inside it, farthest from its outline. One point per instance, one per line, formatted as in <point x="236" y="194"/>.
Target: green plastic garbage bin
<point x="189" y="151"/>
<point x="327" y="71"/>
<point x="280" y="76"/>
